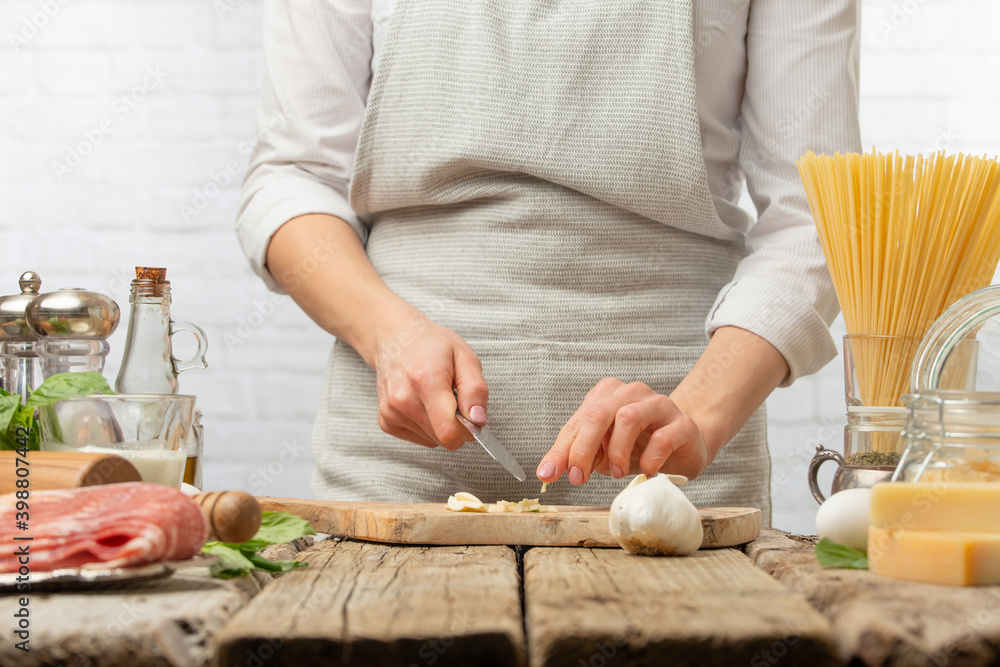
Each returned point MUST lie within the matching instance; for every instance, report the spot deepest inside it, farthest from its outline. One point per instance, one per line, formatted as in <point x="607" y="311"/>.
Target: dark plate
<point x="90" y="579"/>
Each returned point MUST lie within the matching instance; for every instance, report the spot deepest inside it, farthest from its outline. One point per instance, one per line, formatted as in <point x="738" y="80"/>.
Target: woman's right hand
<point x="418" y="363"/>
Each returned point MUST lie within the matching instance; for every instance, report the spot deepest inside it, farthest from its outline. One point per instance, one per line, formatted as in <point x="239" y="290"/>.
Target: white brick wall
<point x="930" y="78"/>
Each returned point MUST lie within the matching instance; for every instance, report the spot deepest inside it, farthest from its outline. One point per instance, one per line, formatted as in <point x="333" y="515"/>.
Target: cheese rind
<point x="935" y="557"/>
<point x="973" y="507"/>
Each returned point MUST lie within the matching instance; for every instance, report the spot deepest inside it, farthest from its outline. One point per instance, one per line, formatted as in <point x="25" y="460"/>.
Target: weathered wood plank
<point x="433" y="523"/>
<point x="169" y="621"/>
<point x="605" y="606"/>
<point x="881" y="621"/>
<point x="371" y="604"/>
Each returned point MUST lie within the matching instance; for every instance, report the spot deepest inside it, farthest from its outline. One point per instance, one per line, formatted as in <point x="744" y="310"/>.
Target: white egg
<point x="844" y="518"/>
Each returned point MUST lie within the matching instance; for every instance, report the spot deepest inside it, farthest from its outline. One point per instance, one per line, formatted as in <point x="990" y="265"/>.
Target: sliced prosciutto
<point x="116" y="525"/>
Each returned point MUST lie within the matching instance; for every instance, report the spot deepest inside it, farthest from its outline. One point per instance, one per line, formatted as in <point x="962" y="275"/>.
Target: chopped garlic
<point x="465" y="502"/>
<point x="544" y="484"/>
<point x="526" y="505"/>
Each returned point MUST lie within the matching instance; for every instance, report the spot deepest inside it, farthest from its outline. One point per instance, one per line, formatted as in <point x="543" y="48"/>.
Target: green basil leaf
<point x="61" y="386"/>
<point x="22" y="425"/>
<point x="231" y="562"/>
<point x="274" y="565"/>
<point x="832" y="554"/>
<point x="7" y="443"/>
<point x="278" y="528"/>
<point x="275" y="528"/>
<point x="9" y="405"/>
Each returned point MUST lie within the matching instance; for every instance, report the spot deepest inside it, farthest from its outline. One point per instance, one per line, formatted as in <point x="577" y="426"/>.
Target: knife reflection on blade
<point x="492" y="447"/>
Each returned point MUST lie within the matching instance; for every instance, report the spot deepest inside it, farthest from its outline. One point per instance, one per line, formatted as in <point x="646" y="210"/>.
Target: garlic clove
<point x="678" y="480"/>
<point x="457" y="505"/>
<point x="638" y="479"/>
<point x="468" y="497"/>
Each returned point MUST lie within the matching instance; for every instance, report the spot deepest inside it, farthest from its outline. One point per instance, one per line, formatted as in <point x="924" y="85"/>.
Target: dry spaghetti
<point x="904" y="238"/>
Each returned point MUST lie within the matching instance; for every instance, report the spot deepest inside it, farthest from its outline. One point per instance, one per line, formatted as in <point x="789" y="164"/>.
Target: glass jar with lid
<point x="954" y="436"/>
<point x="951" y="437"/>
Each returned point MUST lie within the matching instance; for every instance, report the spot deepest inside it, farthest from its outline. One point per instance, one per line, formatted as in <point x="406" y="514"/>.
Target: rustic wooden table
<point x="373" y="604"/>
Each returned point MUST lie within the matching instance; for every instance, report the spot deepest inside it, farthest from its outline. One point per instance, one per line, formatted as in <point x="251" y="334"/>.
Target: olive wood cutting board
<point x="433" y="523"/>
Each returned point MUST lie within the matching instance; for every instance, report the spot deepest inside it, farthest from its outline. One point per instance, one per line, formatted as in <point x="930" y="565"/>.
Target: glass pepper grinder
<point x="72" y="326"/>
<point x="148" y="365"/>
<point x="21" y="372"/>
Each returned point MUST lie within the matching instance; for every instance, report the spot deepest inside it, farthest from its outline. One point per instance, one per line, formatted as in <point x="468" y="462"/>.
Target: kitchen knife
<point x="492" y="447"/>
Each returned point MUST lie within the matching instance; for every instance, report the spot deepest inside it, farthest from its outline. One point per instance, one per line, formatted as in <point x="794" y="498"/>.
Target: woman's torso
<point x="565" y="239"/>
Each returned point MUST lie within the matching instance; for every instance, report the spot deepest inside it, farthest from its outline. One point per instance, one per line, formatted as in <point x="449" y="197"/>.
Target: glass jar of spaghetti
<point x="876" y="370"/>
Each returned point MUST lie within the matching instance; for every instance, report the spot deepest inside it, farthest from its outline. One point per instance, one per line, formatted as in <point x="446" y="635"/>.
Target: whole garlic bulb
<point x="654" y="518"/>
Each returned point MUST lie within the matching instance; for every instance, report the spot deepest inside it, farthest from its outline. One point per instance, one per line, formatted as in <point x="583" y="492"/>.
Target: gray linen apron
<point x="533" y="177"/>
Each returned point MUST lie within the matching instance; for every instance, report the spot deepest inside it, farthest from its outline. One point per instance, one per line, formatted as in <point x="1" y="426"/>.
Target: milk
<point x="156" y="466"/>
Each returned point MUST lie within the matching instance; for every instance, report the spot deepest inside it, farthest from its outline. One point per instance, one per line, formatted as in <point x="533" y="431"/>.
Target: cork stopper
<point x="150" y="282"/>
<point x="154" y="274"/>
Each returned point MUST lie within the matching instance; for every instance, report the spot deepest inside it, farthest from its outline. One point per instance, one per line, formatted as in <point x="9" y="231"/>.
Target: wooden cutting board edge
<point x="433" y="524"/>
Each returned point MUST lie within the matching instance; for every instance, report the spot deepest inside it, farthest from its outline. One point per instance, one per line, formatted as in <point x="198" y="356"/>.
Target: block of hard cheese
<point x="935" y="557"/>
<point x="973" y="507"/>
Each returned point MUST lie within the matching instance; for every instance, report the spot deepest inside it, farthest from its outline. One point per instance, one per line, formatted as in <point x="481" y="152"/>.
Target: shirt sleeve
<point x="317" y="56"/>
<point x="801" y="94"/>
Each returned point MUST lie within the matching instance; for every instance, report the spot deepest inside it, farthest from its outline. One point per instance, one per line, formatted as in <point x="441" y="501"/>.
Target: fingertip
<point x="576" y="476"/>
<point x="477" y="414"/>
<point x="550" y="471"/>
<point x="650" y="466"/>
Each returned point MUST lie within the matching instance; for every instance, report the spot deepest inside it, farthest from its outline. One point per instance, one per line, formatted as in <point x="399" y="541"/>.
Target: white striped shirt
<point x="774" y="78"/>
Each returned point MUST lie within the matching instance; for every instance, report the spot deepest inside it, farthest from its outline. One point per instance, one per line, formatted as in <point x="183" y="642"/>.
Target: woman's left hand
<point x="622" y="429"/>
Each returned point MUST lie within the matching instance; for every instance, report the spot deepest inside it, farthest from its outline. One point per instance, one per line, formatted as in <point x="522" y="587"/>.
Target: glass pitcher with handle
<point x="148" y="365"/>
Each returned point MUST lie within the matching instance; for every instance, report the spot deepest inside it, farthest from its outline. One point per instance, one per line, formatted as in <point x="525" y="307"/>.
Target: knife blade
<point x="492" y="447"/>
